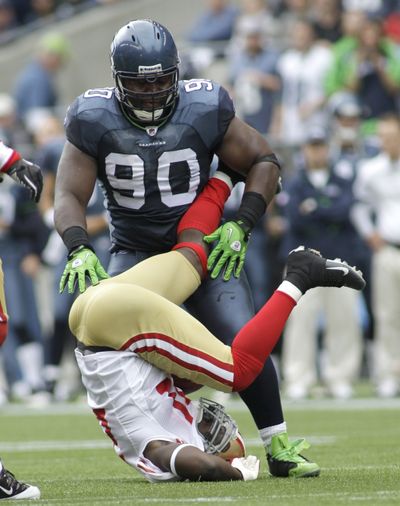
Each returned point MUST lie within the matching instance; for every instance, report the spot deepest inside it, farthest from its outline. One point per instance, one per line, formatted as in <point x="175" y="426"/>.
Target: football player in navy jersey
<point x="150" y="141"/>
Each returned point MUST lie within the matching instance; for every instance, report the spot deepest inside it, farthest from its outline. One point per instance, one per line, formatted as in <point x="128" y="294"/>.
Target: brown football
<point x="236" y="448"/>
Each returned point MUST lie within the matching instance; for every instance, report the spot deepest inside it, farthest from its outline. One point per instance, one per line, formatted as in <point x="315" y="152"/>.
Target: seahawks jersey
<point x="150" y="176"/>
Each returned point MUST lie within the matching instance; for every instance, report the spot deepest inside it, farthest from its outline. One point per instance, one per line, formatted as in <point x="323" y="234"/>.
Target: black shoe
<point x="11" y="488"/>
<point x="306" y="269"/>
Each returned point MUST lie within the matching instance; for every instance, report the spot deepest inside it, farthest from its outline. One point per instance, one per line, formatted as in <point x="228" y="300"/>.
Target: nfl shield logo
<point x="151" y="131"/>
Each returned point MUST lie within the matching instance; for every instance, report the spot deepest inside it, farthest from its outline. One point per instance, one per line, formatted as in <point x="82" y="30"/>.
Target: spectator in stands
<point x="256" y="11"/>
<point x="351" y="25"/>
<point x="36" y="87"/>
<point x="375" y="8"/>
<point x="391" y="25"/>
<point x="326" y="19"/>
<point x="22" y="238"/>
<point x="10" y="131"/>
<point x="302" y="68"/>
<point x="348" y="146"/>
<point x="8" y="20"/>
<point x="317" y="209"/>
<point x="376" y="216"/>
<point x="254" y="78"/>
<point x="215" y="24"/>
<point x="40" y="10"/>
<point x="348" y="149"/>
<point x="370" y="68"/>
<point x="50" y="138"/>
<point x="289" y="12"/>
<point x="22" y="10"/>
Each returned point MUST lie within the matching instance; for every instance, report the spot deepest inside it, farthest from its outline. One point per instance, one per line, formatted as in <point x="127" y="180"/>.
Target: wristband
<point x="73" y="237"/>
<point x="201" y="254"/>
<point x="250" y="211"/>
<point x="8" y="157"/>
<point x="174" y="455"/>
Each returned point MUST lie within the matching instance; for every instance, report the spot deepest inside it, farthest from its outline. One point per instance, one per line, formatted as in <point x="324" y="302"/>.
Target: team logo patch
<point x="150" y="69"/>
<point x="77" y="263"/>
<point x="236" y="246"/>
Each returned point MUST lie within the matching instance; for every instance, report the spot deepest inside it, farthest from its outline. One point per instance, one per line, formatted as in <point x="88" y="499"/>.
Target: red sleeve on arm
<point x="205" y="212"/>
<point x="8" y="157"/>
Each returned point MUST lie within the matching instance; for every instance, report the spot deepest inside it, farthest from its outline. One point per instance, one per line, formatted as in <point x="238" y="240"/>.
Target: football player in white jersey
<point x="30" y="176"/>
<point x="133" y="338"/>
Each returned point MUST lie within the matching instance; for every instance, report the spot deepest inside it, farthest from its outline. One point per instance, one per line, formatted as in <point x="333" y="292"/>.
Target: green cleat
<point x="284" y="459"/>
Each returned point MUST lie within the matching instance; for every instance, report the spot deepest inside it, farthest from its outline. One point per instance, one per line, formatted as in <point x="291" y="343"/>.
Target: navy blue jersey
<point x="150" y="176"/>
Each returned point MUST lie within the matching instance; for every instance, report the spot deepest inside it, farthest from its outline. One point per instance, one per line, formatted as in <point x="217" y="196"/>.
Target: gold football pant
<point x="138" y="311"/>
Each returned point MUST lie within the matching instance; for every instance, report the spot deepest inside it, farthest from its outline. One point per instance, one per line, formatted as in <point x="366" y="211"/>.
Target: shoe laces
<point x="292" y="451"/>
<point x="11" y="480"/>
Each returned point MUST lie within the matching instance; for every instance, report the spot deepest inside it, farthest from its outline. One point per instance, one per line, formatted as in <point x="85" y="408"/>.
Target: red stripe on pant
<point x="152" y="346"/>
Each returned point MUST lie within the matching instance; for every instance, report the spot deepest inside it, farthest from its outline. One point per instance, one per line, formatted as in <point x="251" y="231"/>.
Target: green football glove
<point x="230" y="250"/>
<point x="81" y="263"/>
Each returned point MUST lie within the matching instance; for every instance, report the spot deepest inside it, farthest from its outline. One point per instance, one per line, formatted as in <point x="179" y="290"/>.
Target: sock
<point x="267" y="433"/>
<point x="255" y="341"/>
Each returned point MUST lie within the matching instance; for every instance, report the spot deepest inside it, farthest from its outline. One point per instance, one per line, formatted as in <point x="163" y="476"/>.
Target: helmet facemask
<point x="143" y="101"/>
<point x="216" y="427"/>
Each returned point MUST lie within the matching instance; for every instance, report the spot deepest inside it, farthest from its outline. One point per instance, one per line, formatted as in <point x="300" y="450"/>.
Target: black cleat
<point x="306" y="269"/>
<point x="11" y="488"/>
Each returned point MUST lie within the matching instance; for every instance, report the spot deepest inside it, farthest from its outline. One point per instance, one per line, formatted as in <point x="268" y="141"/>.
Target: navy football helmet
<point x="144" y="62"/>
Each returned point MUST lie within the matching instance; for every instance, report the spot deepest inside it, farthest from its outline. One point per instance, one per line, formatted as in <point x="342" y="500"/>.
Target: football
<point x="236" y="449"/>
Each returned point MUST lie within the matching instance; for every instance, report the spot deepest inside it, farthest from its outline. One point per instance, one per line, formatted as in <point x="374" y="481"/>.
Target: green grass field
<point x="357" y="443"/>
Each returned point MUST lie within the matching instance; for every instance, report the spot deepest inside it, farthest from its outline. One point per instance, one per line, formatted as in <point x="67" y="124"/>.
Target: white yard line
<point x="234" y="404"/>
<point x="101" y="444"/>
<point x="344" y="497"/>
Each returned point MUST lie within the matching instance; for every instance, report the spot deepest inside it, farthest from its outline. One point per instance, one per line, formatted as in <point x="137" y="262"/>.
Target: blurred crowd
<point x="321" y="79"/>
<point x="18" y="16"/>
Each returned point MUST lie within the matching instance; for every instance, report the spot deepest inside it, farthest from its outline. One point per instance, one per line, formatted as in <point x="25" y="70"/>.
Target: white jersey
<point x="136" y="403"/>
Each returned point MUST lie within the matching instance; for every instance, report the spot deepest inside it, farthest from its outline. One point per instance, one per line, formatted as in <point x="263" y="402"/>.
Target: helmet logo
<point x="150" y="69"/>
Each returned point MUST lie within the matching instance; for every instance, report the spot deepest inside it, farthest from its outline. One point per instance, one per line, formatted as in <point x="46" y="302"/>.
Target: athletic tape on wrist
<point x="201" y="254"/>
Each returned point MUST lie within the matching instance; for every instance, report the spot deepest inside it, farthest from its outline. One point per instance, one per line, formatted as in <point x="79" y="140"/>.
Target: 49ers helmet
<point x="144" y="51"/>
<point x="216" y="427"/>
